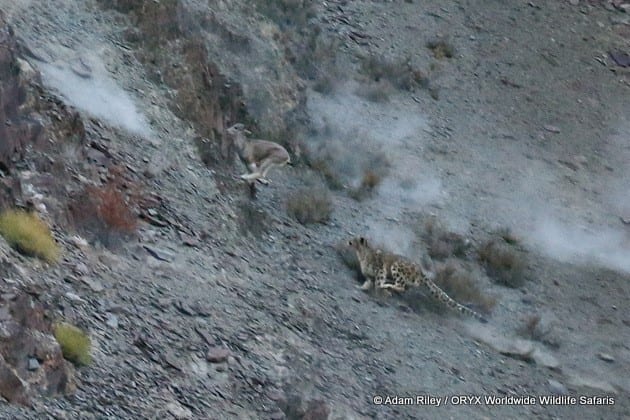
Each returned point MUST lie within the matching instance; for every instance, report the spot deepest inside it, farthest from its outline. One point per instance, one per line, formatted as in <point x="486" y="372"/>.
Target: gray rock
<point x="112" y="320"/>
<point x="178" y="411"/>
<point x="160" y="254"/>
<point x="33" y="364"/>
<point x="93" y="284"/>
<point x="557" y="388"/>
<point x="606" y="357"/>
<point x="217" y="354"/>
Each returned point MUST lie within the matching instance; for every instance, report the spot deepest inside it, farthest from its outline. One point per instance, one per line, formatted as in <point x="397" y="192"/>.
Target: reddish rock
<point x="26" y="334"/>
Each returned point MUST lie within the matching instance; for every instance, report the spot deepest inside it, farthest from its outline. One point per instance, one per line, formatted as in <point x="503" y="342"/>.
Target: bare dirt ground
<point x="524" y="127"/>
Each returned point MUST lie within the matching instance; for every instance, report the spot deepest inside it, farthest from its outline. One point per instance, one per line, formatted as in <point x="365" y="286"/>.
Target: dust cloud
<point x="354" y="133"/>
<point x="98" y="95"/>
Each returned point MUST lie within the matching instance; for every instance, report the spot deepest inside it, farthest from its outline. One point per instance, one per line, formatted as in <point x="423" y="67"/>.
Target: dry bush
<point x="369" y="182"/>
<point x="311" y="52"/>
<point x="103" y="212"/>
<point x="535" y="327"/>
<point x="325" y="84"/>
<point x="460" y="283"/>
<point x="503" y="262"/>
<point x="441" y="47"/>
<point x="322" y="165"/>
<point x="287" y="13"/>
<point x="441" y="243"/>
<point x="75" y="344"/>
<point x="113" y="209"/>
<point x="28" y="234"/>
<point x="310" y="205"/>
<point x="378" y="92"/>
<point x="399" y="73"/>
<point x="508" y="236"/>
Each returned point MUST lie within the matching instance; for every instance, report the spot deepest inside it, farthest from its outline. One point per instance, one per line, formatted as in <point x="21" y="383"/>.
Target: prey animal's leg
<point x="367" y="285"/>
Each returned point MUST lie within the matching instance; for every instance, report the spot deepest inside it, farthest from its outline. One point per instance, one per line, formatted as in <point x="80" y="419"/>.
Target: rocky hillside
<point x="140" y="277"/>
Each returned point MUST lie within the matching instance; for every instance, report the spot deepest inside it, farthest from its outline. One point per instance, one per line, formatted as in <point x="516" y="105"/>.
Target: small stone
<point x="277" y="415"/>
<point x="79" y="242"/>
<point x="178" y="411"/>
<point x="606" y="357"/>
<point x="557" y="388"/>
<point x="160" y="254"/>
<point x="112" y="320"/>
<point x="74" y="297"/>
<point x="317" y="410"/>
<point x="551" y="128"/>
<point x="33" y="364"/>
<point x="93" y="284"/>
<point x="574" y="2"/>
<point x="217" y="354"/>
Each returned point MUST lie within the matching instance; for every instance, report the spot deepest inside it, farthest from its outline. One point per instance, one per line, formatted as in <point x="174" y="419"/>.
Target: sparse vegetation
<point x="369" y="182"/>
<point x="310" y="205"/>
<point x="442" y="244"/>
<point x="322" y="165"/>
<point x="287" y="13"/>
<point x="503" y="262"/>
<point x="508" y="236"/>
<point x="459" y="283"/>
<point x="113" y="209"/>
<point x="75" y="344"/>
<point x="399" y="73"/>
<point x="376" y="91"/>
<point x="27" y="233"/>
<point x="533" y="327"/>
<point x="441" y="47"/>
<point x="104" y="212"/>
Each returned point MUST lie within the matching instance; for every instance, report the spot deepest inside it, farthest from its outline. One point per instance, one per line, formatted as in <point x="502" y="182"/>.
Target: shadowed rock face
<point x="17" y="129"/>
<point x="28" y="118"/>
<point x="31" y="361"/>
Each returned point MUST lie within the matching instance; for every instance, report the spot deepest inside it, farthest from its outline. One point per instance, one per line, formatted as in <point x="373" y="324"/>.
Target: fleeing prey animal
<point x="258" y="155"/>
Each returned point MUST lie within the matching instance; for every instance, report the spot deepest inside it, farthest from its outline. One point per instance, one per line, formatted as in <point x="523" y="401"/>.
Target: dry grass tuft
<point x="503" y="262"/>
<point x="508" y="236"/>
<point x="369" y="182"/>
<point x="400" y="73"/>
<point x="27" y="233"/>
<point x="322" y="165"/>
<point x="460" y="283"/>
<point x="376" y="91"/>
<point x="75" y="344"/>
<point x="441" y="48"/>
<point x="113" y="209"/>
<point x="104" y="213"/>
<point x="535" y="327"/>
<point x="310" y="205"/>
<point x="442" y="244"/>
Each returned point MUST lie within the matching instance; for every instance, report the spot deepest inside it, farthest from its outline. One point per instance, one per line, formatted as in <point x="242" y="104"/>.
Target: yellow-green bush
<point x="75" y="344"/>
<point x="28" y="234"/>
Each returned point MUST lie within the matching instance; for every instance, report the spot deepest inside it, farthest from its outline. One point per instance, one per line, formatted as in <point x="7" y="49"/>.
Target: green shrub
<point x="27" y="233"/>
<point x="75" y="344"/>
